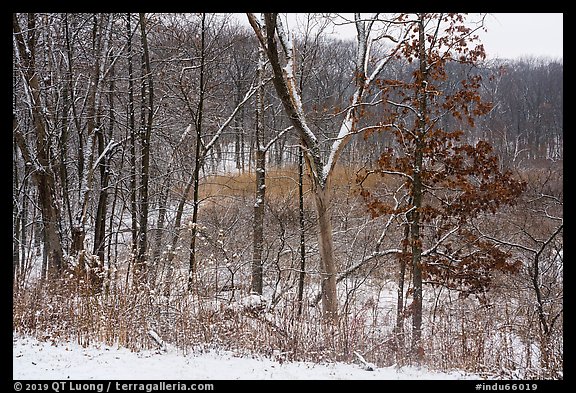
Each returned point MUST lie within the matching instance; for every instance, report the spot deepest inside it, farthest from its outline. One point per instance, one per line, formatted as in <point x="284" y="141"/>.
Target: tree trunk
<point x="157" y="247"/>
<point x="99" y="48"/>
<point x="24" y="231"/>
<point x="417" y="351"/>
<point x="178" y="221"/>
<point x="195" y="204"/>
<point x="50" y="217"/>
<point x="302" y="273"/>
<point x="100" y="220"/>
<point x="257" y="273"/>
<point x="133" y="138"/>
<point x="326" y="249"/>
<point x="68" y="104"/>
<point x="399" y="327"/>
<point x="16" y="222"/>
<point x="44" y="176"/>
<point x="260" y="193"/>
<point x="198" y="159"/>
<point x="101" y="212"/>
<point x="147" y="91"/>
<point x="271" y="35"/>
<point x="239" y="133"/>
<point x="416" y="346"/>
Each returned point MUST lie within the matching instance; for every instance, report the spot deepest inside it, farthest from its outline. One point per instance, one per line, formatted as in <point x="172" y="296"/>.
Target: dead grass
<point x="185" y="320"/>
<point x="282" y="183"/>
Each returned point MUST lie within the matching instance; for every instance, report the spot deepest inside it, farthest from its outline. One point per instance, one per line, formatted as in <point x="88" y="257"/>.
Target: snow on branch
<point x="109" y="148"/>
<point x="273" y="140"/>
<point x="440" y="241"/>
<point x="341" y="140"/>
<point x="358" y="265"/>
<point x="290" y="80"/>
<point x="156" y="338"/>
<point x="24" y="149"/>
<point x="399" y="105"/>
<point x="347" y="126"/>
<point x="257" y="26"/>
<point x="375" y="254"/>
<point x="365" y="365"/>
<point x="253" y="89"/>
<point x="286" y="88"/>
<point x="543" y="243"/>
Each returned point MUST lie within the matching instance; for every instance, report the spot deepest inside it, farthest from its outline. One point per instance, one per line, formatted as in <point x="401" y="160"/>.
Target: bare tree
<point x="257" y="274"/>
<point x="195" y="87"/>
<point x="534" y="231"/>
<point x="260" y="194"/>
<point x="147" y="113"/>
<point x="40" y="156"/>
<point x="274" y="39"/>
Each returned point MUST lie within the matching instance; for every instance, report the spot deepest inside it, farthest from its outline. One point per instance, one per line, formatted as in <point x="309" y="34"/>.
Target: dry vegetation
<point x="494" y="334"/>
<point x="115" y="115"/>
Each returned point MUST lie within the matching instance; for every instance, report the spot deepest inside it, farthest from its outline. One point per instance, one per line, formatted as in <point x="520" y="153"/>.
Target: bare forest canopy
<point x="398" y="190"/>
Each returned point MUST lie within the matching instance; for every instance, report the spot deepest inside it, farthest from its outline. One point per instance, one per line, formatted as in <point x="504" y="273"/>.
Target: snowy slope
<point x="37" y="360"/>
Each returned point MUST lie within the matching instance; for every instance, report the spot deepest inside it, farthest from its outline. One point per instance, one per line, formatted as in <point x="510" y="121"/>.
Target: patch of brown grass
<point x="282" y="183"/>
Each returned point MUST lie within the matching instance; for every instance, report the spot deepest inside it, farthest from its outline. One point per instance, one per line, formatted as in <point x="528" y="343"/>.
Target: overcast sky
<point x="511" y="35"/>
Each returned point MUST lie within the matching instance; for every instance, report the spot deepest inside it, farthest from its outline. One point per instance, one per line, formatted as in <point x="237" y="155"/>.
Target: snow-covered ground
<point x="35" y="360"/>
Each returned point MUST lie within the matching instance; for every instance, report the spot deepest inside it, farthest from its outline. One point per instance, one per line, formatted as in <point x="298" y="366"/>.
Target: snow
<point x="345" y="130"/>
<point x="36" y="360"/>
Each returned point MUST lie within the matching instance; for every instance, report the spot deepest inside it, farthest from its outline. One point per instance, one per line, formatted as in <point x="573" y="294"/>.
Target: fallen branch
<point x="366" y="366"/>
<point x="156" y="338"/>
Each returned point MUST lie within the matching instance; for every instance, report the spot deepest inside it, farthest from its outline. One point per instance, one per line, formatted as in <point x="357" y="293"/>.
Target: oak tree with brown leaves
<point x="433" y="181"/>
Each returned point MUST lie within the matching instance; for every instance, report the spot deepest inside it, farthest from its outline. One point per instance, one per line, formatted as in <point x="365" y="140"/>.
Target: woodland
<point x="272" y="189"/>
